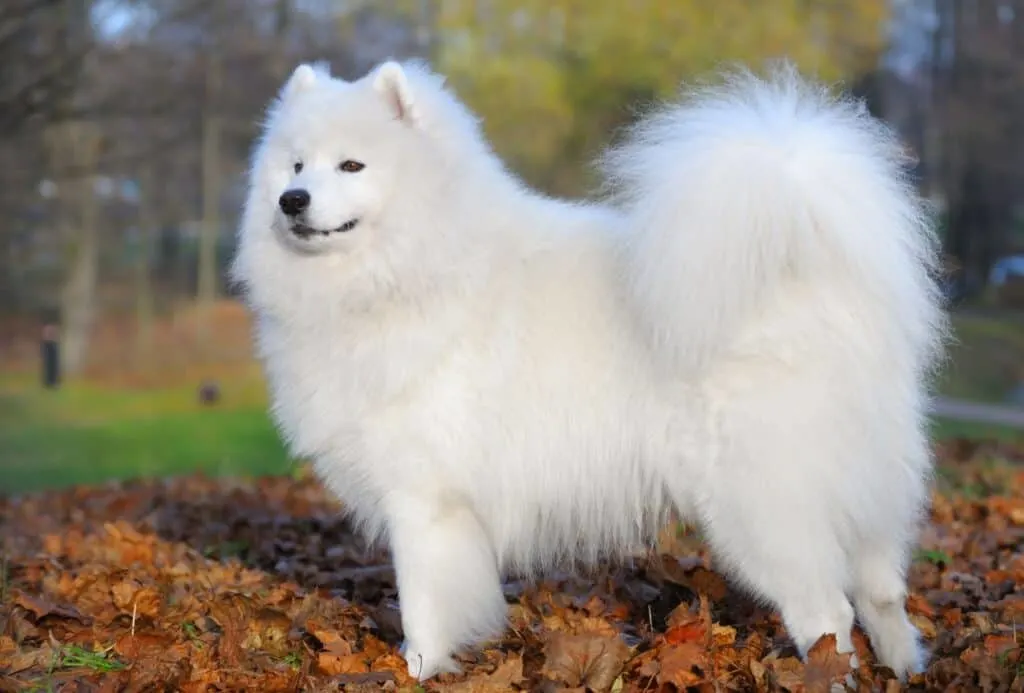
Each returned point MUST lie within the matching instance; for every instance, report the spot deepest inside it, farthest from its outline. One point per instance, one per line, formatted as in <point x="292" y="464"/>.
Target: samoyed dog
<point x="740" y="332"/>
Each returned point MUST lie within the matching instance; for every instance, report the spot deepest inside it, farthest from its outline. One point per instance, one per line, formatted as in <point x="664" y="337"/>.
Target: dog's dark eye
<point x="298" y="166"/>
<point x="350" y="166"/>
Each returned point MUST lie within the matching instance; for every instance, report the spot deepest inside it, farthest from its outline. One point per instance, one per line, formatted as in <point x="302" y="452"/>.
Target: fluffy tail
<point x="759" y="180"/>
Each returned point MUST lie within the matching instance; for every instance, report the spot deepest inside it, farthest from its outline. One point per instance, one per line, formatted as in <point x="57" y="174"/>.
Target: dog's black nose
<point x="294" y="202"/>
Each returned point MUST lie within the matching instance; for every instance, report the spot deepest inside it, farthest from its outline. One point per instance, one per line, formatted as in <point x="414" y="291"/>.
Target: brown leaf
<point x="996" y="645"/>
<point x="508" y="674"/>
<point x="924" y="625"/>
<point x="758" y="672"/>
<point x="787" y="673"/>
<point x="679" y="661"/>
<point x="140" y="645"/>
<point x="155" y="658"/>
<point x="42" y="607"/>
<point x="268" y="632"/>
<point x="334" y="664"/>
<point x="709" y="583"/>
<point x="584" y="660"/>
<point x="43" y="658"/>
<point x="693" y="632"/>
<point x="331" y="640"/>
<point x="825" y="665"/>
<point x="7" y="645"/>
<point x="132" y="598"/>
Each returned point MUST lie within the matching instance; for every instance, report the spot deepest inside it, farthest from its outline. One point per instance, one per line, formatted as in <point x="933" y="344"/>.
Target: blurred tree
<point x="552" y="78"/>
<point x="978" y="114"/>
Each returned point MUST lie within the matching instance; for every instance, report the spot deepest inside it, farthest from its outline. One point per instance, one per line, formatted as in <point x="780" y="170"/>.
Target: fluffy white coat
<point x="493" y="380"/>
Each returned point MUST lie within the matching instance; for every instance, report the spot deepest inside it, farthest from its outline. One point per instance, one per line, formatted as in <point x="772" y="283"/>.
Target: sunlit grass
<point x="86" y="433"/>
<point x="987" y="358"/>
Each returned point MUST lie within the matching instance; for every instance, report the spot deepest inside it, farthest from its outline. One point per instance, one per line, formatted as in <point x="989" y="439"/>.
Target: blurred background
<point x="125" y="128"/>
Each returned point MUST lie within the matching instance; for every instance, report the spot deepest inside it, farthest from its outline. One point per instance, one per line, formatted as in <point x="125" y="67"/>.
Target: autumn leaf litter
<point x="197" y="584"/>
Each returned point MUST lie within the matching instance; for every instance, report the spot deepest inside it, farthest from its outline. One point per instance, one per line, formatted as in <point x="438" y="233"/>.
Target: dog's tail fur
<point x="759" y="181"/>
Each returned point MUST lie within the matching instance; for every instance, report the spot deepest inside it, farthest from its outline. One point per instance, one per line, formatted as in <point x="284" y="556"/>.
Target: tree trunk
<point x="206" y="291"/>
<point x="143" y="270"/>
<point x="78" y="299"/>
<point x="76" y="145"/>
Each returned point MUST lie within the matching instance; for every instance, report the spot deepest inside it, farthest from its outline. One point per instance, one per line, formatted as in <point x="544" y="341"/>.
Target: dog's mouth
<point x="303" y="231"/>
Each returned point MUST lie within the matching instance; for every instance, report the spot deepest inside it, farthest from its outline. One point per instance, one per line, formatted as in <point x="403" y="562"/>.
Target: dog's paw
<point x="424" y="664"/>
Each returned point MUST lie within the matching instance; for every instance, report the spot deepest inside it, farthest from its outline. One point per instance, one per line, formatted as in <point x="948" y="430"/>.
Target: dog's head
<point x="331" y="155"/>
<point x="350" y="174"/>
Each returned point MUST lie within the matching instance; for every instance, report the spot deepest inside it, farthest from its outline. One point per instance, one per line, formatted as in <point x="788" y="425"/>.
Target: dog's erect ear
<point x="393" y="86"/>
<point x="304" y="77"/>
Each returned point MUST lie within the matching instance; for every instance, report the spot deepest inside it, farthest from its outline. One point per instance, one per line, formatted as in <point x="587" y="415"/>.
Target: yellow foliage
<point x="553" y="78"/>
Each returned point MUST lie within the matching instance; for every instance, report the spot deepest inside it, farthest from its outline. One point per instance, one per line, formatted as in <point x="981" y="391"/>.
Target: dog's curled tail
<point x="761" y="180"/>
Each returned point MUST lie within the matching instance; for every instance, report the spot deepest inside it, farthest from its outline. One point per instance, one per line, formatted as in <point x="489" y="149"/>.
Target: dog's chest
<point x="327" y="381"/>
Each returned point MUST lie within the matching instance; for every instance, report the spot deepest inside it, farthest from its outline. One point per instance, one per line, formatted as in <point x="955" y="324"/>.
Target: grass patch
<point x="987" y="359"/>
<point x="935" y="556"/>
<point x="87" y="434"/>
<point x="944" y="429"/>
<point x="100" y="661"/>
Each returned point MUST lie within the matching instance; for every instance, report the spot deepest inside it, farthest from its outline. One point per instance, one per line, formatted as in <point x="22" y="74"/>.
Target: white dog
<point x="493" y="380"/>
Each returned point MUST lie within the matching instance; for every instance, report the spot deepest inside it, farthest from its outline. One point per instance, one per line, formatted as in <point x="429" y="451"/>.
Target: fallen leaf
<point x="678" y="663"/>
<point x="824" y="665"/>
<point x="41" y="607"/>
<point x="584" y="660"/>
<point x="508" y="675"/>
<point x="334" y="664"/>
<point x="44" y="657"/>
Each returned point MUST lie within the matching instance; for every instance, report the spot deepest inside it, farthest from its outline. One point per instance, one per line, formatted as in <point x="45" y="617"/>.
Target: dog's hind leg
<point x="769" y="513"/>
<point x="879" y="593"/>
<point x="449" y="588"/>
<point x="786" y="560"/>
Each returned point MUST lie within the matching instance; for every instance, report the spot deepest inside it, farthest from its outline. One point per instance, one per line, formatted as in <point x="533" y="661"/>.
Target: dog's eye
<point x="298" y="166"/>
<point x="350" y="166"/>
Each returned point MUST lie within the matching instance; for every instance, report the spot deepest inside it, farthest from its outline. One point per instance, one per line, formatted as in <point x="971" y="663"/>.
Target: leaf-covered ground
<point x="212" y="585"/>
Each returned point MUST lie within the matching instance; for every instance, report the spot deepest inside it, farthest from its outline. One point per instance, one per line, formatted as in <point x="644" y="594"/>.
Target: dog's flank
<point x="493" y="380"/>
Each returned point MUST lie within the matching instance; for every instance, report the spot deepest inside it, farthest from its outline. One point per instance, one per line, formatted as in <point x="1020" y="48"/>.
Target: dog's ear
<point x="304" y="77"/>
<point x="393" y="86"/>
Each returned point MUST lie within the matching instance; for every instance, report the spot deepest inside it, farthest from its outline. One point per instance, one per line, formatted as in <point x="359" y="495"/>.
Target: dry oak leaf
<point x="695" y="631"/>
<point x="508" y="674"/>
<point x="44" y="657"/>
<point x="149" y="645"/>
<point x="268" y="632"/>
<point x="41" y="607"/>
<point x="825" y="665"/>
<point x="335" y="665"/>
<point x="584" y="660"/>
<point x="709" y="583"/>
<point x="233" y="613"/>
<point x="678" y="662"/>
<point x="786" y="673"/>
<point x="7" y="646"/>
<point x="331" y="639"/>
<point x="132" y="598"/>
<point x="394" y="663"/>
<point x="997" y="645"/>
<point x="155" y="659"/>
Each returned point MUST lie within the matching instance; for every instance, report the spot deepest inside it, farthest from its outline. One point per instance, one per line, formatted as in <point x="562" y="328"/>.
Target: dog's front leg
<point x="449" y="589"/>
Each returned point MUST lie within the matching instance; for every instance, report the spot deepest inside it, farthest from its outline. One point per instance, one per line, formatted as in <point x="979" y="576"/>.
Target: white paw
<point x="424" y="665"/>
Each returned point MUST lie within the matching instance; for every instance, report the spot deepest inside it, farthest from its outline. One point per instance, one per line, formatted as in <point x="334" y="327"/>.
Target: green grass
<point x="87" y="434"/>
<point x="987" y="358"/>
<point x="100" y="661"/>
<point x="944" y="429"/>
